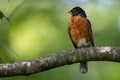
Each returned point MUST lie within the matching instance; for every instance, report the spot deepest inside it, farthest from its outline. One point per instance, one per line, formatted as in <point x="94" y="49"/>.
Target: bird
<point x="80" y="32"/>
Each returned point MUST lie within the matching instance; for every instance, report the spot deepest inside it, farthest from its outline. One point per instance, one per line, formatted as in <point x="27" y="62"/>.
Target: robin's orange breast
<point x="78" y="30"/>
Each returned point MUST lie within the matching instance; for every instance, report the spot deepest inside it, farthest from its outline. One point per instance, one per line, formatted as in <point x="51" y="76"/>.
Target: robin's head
<point x="77" y="11"/>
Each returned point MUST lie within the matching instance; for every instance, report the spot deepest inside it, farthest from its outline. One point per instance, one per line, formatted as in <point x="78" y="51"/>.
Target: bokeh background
<point x="38" y="28"/>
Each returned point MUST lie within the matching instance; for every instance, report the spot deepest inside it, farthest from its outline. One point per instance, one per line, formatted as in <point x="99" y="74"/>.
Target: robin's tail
<point x="83" y="67"/>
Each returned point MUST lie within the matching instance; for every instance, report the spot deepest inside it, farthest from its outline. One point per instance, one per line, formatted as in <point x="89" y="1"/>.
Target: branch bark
<point x="60" y="59"/>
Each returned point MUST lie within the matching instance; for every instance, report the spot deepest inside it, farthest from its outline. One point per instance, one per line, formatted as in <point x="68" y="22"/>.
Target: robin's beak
<point x="69" y="12"/>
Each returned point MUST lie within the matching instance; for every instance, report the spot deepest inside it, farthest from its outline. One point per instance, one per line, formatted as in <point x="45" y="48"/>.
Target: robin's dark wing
<point x="90" y="31"/>
<point x="75" y="46"/>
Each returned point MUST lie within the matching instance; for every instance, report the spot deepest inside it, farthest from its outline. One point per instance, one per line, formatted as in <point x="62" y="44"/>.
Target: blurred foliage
<point x="1" y="15"/>
<point x="39" y="27"/>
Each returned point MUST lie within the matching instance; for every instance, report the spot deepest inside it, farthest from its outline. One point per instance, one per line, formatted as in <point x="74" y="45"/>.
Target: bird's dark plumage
<point x="80" y="32"/>
<point x="78" y="11"/>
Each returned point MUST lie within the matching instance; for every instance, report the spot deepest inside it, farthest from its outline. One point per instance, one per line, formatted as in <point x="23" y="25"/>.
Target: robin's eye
<point x="75" y="10"/>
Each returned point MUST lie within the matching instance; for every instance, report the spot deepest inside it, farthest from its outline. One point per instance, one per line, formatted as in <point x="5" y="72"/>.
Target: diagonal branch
<point x="60" y="59"/>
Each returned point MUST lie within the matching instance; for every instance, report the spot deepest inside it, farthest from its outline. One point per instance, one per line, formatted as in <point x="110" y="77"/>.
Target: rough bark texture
<point x="60" y="59"/>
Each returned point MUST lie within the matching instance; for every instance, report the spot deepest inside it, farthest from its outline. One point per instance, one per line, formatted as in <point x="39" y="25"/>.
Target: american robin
<point x="80" y="32"/>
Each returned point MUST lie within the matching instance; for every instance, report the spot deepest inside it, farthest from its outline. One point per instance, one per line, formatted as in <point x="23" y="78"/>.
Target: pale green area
<point x="39" y="28"/>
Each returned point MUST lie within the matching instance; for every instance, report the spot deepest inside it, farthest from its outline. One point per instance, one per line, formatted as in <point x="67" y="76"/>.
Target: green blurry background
<point x="39" y="27"/>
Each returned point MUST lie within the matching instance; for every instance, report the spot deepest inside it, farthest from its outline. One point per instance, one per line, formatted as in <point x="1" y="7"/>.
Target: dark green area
<point x="39" y="27"/>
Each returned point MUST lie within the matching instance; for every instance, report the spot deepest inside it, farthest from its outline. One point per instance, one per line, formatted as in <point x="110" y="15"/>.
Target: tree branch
<point x="60" y="59"/>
